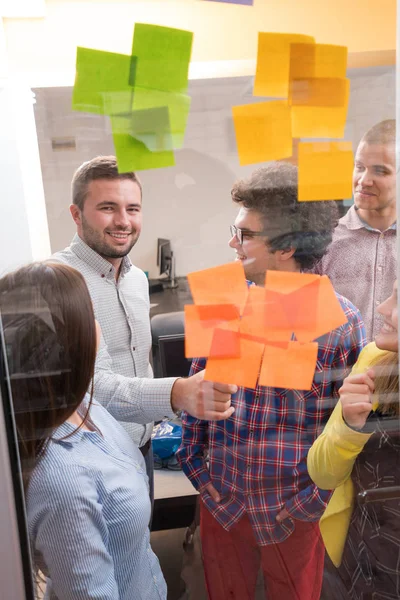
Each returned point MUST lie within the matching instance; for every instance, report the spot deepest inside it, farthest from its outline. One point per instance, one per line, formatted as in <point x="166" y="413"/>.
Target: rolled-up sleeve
<point x="131" y="399"/>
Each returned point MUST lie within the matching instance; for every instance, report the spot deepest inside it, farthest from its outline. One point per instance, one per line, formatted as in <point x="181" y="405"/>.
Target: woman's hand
<point x="356" y="398"/>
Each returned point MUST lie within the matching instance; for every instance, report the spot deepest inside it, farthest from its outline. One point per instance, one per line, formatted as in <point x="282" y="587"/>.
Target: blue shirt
<point x="88" y="511"/>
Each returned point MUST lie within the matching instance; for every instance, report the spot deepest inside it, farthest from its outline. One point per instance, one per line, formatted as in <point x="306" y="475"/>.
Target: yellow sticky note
<point x="325" y="170"/>
<point x="273" y="63"/>
<point x="320" y="121"/>
<point x="317" y="60"/>
<point x="318" y="92"/>
<point x="263" y="131"/>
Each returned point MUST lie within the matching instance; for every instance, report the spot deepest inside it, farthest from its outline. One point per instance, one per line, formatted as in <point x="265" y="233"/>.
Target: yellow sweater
<point x="330" y="462"/>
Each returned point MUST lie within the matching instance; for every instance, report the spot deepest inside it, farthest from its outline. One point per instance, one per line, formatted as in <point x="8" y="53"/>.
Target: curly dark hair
<point x="305" y="226"/>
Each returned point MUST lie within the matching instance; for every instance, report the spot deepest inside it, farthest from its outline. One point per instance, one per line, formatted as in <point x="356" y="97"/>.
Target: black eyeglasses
<point x="242" y="233"/>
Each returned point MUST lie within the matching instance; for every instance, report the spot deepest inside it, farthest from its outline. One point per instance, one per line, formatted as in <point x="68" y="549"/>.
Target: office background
<point x="190" y="203"/>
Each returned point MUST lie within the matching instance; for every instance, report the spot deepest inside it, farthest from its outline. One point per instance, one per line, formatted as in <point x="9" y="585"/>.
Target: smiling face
<point x="111" y="220"/>
<point x="253" y="252"/>
<point x="387" y="338"/>
<point x="374" y="176"/>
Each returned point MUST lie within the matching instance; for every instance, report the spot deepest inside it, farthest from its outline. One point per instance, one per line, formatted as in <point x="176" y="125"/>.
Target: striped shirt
<point x="258" y="457"/>
<point x="88" y="511"/>
<point x="124" y="381"/>
<point x="361" y="263"/>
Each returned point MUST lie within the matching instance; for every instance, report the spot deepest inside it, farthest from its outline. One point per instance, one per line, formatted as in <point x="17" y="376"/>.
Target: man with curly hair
<point x="259" y="506"/>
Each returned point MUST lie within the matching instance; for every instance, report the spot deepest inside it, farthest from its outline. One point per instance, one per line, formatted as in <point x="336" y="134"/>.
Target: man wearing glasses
<point x="259" y="507"/>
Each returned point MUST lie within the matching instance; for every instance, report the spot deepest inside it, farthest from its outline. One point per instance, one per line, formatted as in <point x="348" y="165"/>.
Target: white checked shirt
<point x="123" y="380"/>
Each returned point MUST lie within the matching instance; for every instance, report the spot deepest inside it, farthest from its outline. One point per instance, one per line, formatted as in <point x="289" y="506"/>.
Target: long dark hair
<point x="50" y="341"/>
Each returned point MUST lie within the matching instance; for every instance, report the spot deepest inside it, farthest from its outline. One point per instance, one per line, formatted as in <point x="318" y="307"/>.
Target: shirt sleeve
<point x="331" y="458"/>
<point x="131" y="399"/>
<point x="191" y="453"/>
<point x="309" y="504"/>
<point x="70" y="534"/>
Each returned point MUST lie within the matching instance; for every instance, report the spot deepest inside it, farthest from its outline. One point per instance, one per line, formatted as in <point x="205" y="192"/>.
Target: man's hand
<point x="203" y="399"/>
<point x="213" y="492"/>
<point x="356" y="398"/>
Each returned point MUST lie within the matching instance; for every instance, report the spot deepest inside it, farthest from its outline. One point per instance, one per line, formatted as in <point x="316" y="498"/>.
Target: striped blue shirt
<point x="88" y="511"/>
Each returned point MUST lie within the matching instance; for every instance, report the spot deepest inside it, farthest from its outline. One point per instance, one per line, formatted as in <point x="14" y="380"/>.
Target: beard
<point x="95" y="240"/>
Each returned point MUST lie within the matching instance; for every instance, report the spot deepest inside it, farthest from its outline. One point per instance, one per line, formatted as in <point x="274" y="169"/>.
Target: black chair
<point x="167" y="325"/>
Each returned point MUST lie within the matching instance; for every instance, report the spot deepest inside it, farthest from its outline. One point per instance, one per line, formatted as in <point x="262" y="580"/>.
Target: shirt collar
<point x="97" y="262"/>
<point x="352" y="220"/>
<point x="71" y="430"/>
<point x="74" y="434"/>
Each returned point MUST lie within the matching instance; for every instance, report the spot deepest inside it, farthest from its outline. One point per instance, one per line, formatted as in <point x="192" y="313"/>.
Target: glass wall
<point x="198" y="301"/>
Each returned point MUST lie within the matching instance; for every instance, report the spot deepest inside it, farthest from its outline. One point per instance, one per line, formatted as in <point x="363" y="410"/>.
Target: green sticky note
<point x="132" y="154"/>
<point x="163" y="57"/>
<point x="178" y="109"/>
<point x="102" y="82"/>
<point x="150" y="126"/>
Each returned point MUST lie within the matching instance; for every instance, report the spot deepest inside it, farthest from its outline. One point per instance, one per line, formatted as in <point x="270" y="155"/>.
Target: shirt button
<point x="249" y="467"/>
<point x="377" y="302"/>
<point x="102" y="275"/>
<point x="134" y="348"/>
<point x="251" y="431"/>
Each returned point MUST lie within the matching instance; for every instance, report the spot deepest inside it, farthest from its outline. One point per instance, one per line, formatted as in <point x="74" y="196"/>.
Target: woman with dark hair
<point x="85" y="482"/>
<point x="358" y="451"/>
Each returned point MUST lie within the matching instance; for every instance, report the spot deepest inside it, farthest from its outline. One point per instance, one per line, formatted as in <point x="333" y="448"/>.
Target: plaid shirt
<point x="258" y="457"/>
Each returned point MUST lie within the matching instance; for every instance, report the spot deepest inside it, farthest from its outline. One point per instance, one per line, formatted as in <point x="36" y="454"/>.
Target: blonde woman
<point x="359" y="450"/>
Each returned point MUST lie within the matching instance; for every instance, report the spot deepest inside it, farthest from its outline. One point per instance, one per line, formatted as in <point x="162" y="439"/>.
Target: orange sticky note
<point x="306" y="293"/>
<point x="325" y="170"/>
<point x="318" y="92"/>
<point x="225" y="284"/>
<point x="277" y="323"/>
<point x="330" y="314"/>
<point x="320" y="121"/>
<point x="213" y="314"/>
<point x="273" y="63"/>
<point x="225" y="344"/>
<point x="241" y="371"/>
<point x="286" y="282"/>
<point x="263" y="131"/>
<point x="200" y="323"/>
<point x="301" y="308"/>
<point x="290" y="368"/>
<point x="317" y="60"/>
<point x="264" y="317"/>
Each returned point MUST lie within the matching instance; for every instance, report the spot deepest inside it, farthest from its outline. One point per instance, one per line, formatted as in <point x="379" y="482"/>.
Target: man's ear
<point x="76" y="214"/>
<point x="286" y="254"/>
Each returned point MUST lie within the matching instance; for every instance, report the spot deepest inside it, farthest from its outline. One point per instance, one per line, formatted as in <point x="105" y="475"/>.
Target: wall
<point x="222" y="31"/>
<point x="189" y="203"/>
